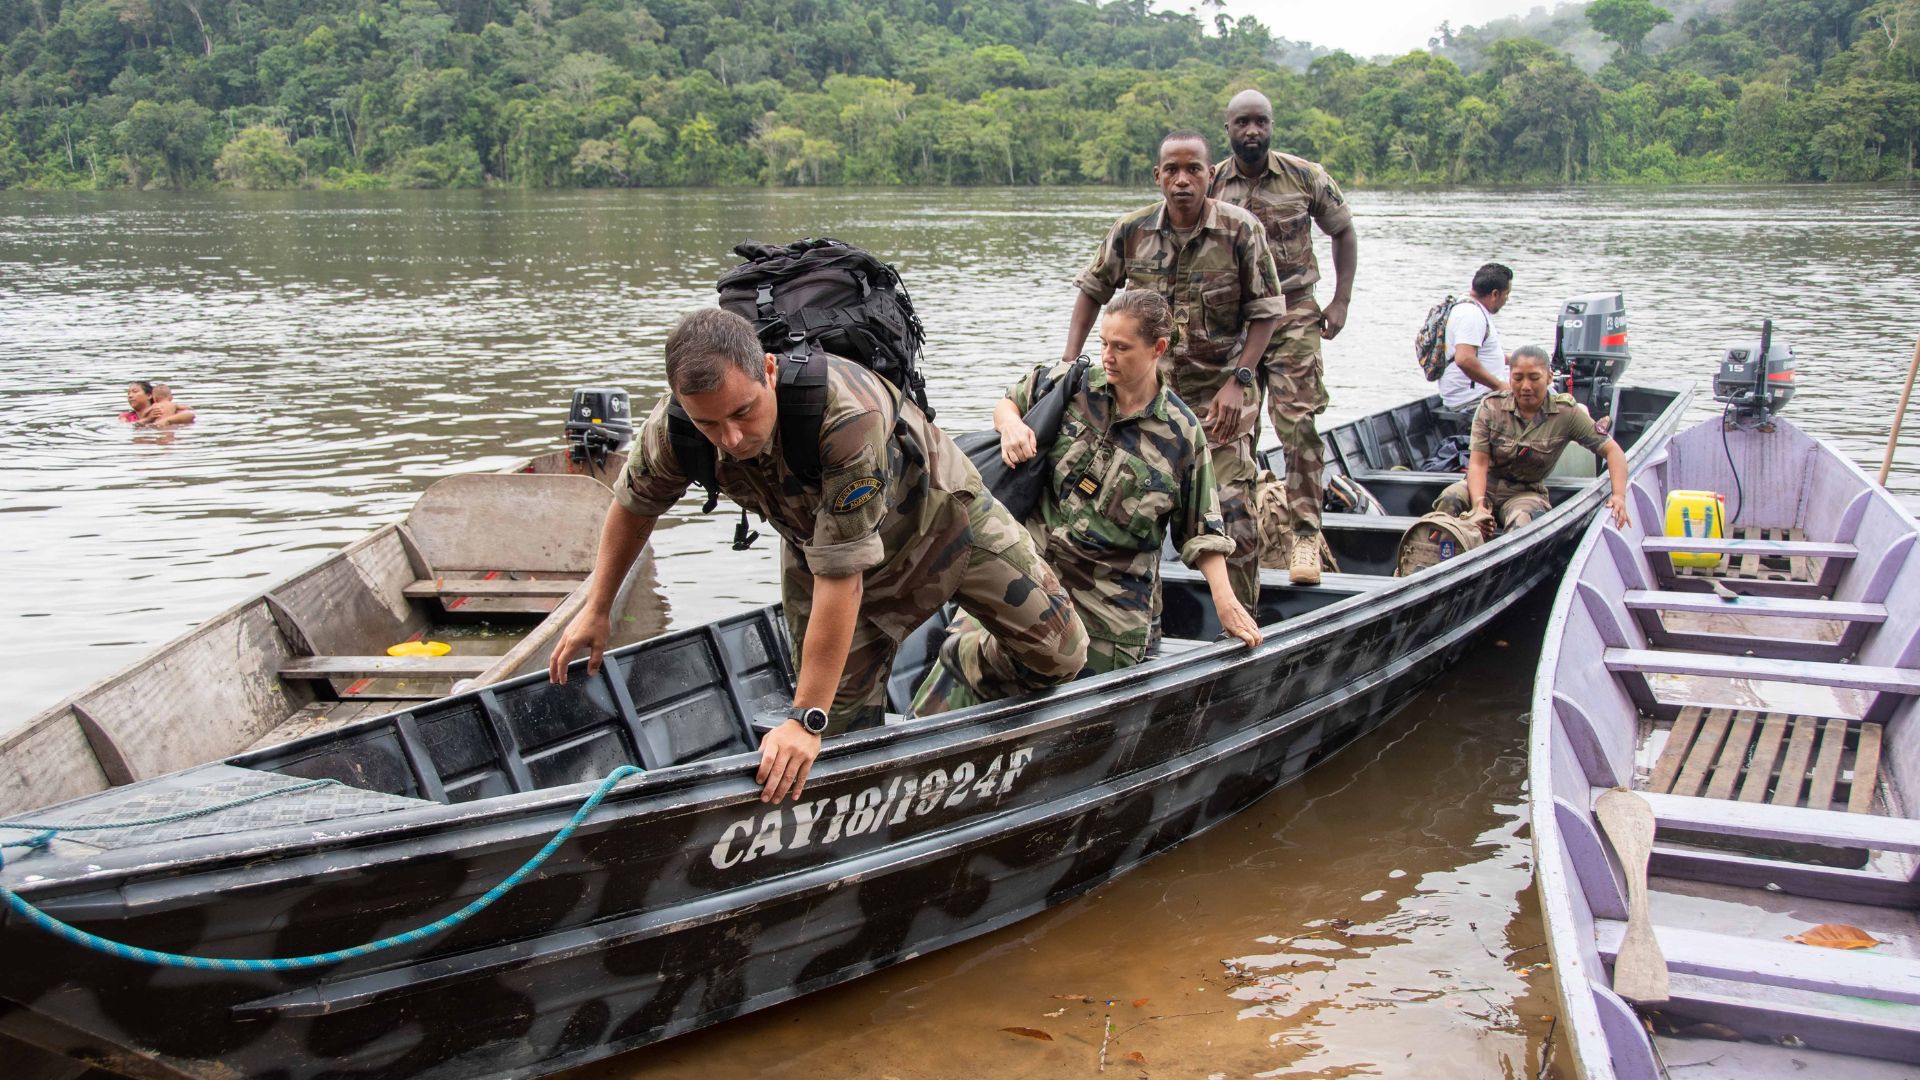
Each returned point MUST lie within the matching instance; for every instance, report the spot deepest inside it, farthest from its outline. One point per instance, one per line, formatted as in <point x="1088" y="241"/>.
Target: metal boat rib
<point x="685" y="900"/>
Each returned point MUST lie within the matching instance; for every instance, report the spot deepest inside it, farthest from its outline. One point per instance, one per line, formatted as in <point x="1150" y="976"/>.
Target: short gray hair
<point x="704" y="344"/>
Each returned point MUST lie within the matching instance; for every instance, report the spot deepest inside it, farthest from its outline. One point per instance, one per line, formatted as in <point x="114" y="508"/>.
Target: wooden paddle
<point x="1639" y="970"/>
<point x="1899" y="414"/>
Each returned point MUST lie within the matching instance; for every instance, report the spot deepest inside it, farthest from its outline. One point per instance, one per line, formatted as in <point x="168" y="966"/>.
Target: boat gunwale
<point x="849" y="757"/>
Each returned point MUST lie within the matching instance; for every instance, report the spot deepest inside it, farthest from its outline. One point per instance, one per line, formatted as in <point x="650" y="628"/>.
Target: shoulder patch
<point x="856" y="494"/>
<point x="1563" y="399"/>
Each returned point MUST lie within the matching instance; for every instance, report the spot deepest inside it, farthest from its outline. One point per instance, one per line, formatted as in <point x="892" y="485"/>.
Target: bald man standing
<point x="1286" y="192"/>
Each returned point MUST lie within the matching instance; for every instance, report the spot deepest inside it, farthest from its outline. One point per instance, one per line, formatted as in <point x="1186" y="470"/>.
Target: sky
<point x="1371" y="27"/>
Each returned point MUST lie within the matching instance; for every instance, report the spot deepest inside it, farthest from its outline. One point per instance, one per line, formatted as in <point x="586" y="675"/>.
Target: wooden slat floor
<point x="1770" y="757"/>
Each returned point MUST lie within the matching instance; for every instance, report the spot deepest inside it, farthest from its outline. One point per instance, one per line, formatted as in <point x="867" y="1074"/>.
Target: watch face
<point x="814" y="720"/>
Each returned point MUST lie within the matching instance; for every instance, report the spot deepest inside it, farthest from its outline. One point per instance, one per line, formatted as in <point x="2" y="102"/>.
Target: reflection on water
<point x="343" y="350"/>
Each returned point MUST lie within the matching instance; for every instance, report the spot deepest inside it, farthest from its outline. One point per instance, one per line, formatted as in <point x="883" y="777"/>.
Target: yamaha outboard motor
<point x="598" y="423"/>
<point x="1755" y="383"/>
<point x="1590" y="349"/>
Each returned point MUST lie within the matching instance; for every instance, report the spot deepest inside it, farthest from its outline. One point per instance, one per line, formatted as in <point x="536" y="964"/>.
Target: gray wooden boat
<point x="683" y="900"/>
<point x="311" y="652"/>
<point x="1749" y="760"/>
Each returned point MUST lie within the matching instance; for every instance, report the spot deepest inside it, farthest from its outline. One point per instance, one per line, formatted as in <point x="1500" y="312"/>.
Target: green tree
<point x="260" y="158"/>
<point x="1626" y="23"/>
<point x="176" y="134"/>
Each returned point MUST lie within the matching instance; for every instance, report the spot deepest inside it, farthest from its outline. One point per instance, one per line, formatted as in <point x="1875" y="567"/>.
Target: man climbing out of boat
<point x="897" y="524"/>
<point x="1209" y="259"/>
<point x="1518" y="436"/>
<point x="1130" y="463"/>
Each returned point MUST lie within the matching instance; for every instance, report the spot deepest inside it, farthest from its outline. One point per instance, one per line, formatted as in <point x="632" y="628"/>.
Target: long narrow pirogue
<point x="1722" y="758"/>
<point x="683" y="900"/>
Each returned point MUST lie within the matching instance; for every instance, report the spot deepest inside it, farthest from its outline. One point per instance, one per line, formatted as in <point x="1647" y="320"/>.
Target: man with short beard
<point x="1285" y="193"/>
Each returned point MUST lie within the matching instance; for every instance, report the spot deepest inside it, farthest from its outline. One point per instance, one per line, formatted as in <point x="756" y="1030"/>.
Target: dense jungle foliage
<point x="557" y="93"/>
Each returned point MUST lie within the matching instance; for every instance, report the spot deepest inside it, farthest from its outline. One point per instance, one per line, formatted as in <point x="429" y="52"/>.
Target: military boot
<point x="1305" y="566"/>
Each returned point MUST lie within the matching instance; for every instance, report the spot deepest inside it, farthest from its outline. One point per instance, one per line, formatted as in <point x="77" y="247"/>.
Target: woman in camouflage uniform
<point x="1130" y="463"/>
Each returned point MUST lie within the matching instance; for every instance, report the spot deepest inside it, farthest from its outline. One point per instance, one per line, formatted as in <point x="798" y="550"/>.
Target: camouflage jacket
<point x="891" y="503"/>
<point x="1219" y="280"/>
<point x="1293" y="193"/>
<point x="1524" y="453"/>
<point x="1118" y="485"/>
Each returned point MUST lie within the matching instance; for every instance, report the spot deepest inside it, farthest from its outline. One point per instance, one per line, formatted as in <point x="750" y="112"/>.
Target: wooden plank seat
<point x="1795" y="761"/>
<point x="1789" y="824"/>
<point x="1668" y="545"/>
<point x="1765" y="557"/>
<point x="1891" y="680"/>
<point x="1775" y="963"/>
<point x="385" y="667"/>
<point x="1779" y="607"/>
<point x="487" y="587"/>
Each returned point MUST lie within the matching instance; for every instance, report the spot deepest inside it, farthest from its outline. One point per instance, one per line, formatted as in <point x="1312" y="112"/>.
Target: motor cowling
<point x="1590" y="348"/>
<point x="1755" y="382"/>
<point x="599" y="422"/>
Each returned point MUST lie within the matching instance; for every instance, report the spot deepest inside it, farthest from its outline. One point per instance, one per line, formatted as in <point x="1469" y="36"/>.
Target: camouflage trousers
<point x="1292" y="376"/>
<point x="1029" y="636"/>
<point x="1514" y="504"/>
<point x="943" y="691"/>
<point x="1233" y="477"/>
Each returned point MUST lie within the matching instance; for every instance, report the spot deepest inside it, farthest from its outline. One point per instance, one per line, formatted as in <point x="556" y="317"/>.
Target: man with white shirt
<point x="1477" y="365"/>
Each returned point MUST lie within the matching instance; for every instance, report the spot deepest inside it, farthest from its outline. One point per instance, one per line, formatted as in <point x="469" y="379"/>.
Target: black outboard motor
<point x="1590" y="349"/>
<point x="1755" y="383"/>
<point x="599" y="422"/>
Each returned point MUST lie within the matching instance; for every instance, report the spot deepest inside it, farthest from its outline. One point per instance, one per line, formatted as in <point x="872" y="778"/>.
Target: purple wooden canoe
<point x="1770" y="739"/>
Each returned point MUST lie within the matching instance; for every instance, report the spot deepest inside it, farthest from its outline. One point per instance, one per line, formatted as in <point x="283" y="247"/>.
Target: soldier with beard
<point x="1287" y="193"/>
<point x="1129" y="466"/>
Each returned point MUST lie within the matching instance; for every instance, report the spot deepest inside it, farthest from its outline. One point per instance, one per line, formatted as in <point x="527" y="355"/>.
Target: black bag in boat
<point x="833" y="295"/>
<point x="1450" y="454"/>
<point x="1019" y="488"/>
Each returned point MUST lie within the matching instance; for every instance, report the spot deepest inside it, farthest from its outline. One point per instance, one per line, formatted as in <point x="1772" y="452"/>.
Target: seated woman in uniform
<point x="1130" y="463"/>
<point x="1518" y="435"/>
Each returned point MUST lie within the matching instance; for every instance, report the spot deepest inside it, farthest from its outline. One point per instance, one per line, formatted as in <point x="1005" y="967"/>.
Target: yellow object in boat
<point x="1698" y="514"/>
<point x="419" y="648"/>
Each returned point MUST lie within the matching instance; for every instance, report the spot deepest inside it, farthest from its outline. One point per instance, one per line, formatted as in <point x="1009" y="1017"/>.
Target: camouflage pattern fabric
<point x="897" y="503"/>
<point x="1216" y="280"/>
<point x="1296" y="390"/>
<point x="1292" y="193"/>
<point x="1018" y="630"/>
<point x="1275" y="519"/>
<point x="1521" y="454"/>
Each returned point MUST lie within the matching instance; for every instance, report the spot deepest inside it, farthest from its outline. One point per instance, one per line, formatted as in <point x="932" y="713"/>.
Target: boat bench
<point x="1889" y="685"/>
<point x="492" y="588"/>
<point x="1761" y="557"/>
<point x="385" y="667"/>
<point x="1774" y="963"/>
<point x="1730" y="754"/>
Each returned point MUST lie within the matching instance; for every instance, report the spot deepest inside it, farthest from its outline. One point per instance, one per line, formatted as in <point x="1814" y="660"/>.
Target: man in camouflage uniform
<point x="897" y="524"/>
<point x="1518" y="436"/>
<point x="1287" y="193"/>
<point x="1117" y="485"/>
<point x="1209" y="260"/>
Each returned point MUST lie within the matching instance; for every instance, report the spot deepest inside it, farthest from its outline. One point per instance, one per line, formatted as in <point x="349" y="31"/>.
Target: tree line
<point x="98" y="94"/>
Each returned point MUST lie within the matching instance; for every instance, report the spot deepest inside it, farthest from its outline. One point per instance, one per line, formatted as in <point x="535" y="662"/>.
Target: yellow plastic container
<point x="1698" y="514"/>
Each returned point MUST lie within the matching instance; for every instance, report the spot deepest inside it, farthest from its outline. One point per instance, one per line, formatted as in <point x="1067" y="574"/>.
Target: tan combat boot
<point x="1305" y="567"/>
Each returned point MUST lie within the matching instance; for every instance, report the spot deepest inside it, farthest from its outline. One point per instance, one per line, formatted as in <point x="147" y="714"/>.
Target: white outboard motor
<point x="1590" y="349"/>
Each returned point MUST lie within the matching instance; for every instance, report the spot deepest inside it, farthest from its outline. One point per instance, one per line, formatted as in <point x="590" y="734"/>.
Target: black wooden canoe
<point x="684" y="900"/>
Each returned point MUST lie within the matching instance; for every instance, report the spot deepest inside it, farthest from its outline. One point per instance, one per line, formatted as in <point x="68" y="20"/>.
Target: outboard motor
<point x="598" y="423"/>
<point x="1590" y="348"/>
<point x="1755" y="383"/>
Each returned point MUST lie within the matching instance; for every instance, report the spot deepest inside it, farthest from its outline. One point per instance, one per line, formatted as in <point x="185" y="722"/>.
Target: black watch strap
<point x="814" y="720"/>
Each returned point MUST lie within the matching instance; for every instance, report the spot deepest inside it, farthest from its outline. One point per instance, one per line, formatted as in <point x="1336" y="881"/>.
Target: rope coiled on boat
<point x="441" y="925"/>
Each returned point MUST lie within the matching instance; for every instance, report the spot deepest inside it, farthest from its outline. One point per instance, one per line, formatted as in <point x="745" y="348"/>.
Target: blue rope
<point x="46" y="837"/>
<point x="294" y="963"/>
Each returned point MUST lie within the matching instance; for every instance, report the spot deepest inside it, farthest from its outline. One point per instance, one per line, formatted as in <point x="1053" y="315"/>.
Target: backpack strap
<point x="801" y="387"/>
<point x="692" y="452"/>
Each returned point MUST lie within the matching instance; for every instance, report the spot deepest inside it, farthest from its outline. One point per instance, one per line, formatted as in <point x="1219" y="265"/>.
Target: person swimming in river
<point x="151" y="404"/>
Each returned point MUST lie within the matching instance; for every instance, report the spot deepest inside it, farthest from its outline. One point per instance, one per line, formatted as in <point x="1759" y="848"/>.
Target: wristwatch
<point x="814" y="720"/>
<point x="1243" y="376"/>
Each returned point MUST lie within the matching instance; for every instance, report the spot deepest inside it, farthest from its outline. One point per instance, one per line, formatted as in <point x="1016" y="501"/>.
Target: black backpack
<point x="1430" y="344"/>
<point x="807" y="299"/>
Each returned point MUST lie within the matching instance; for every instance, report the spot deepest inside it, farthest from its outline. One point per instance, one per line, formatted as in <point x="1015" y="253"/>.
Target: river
<point x="346" y="349"/>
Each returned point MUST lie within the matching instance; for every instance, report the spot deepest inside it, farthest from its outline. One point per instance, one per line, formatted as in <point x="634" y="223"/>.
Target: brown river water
<point x="345" y="350"/>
